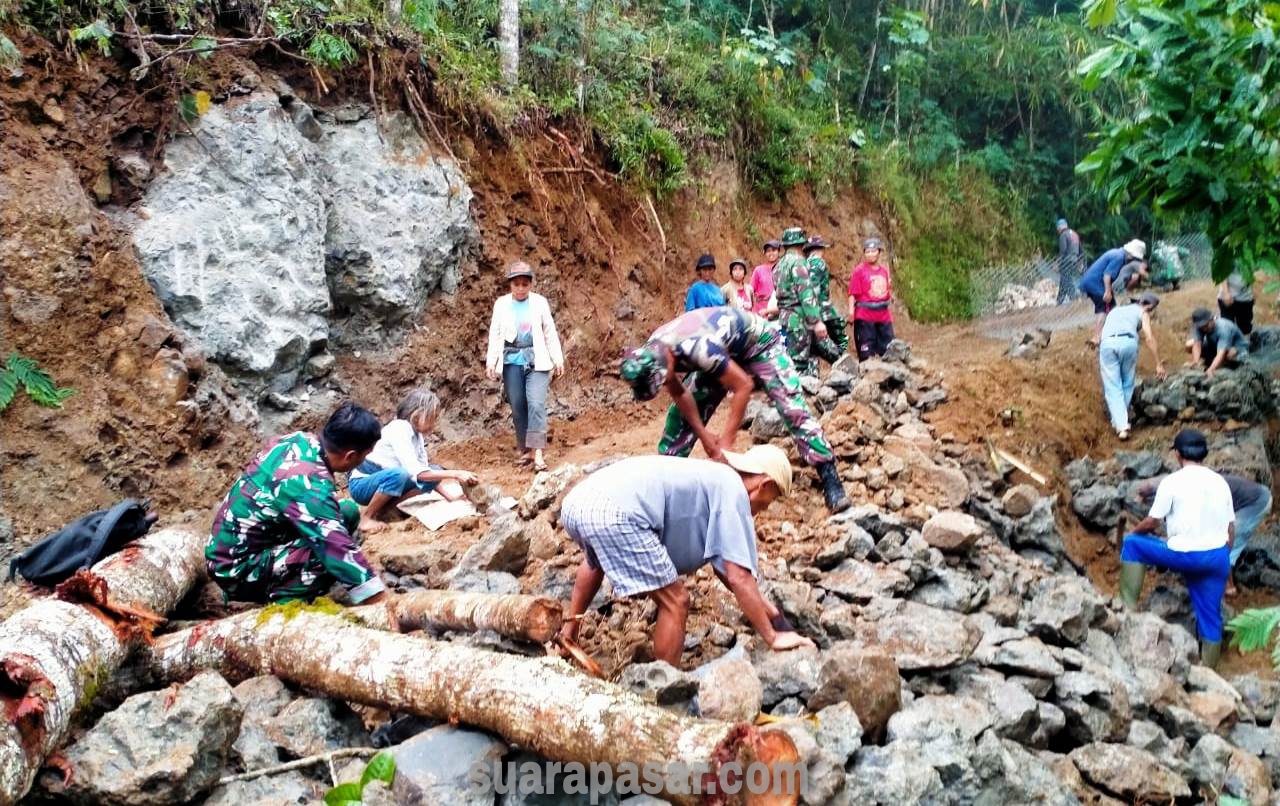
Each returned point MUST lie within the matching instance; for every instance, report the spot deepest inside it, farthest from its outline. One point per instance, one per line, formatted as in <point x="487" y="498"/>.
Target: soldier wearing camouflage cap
<point x="726" y="350"/>
<point x="799" y="312"/>
<point x="820" y="274"/>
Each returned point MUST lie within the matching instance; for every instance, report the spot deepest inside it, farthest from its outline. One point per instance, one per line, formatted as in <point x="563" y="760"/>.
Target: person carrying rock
<point x="1250" y="501"/>
<point x="398" y="468"/>
<point x="1235" y="301"/>
<point x="281" y="533"/>
<point x="1069" y="260"/>
<point x="1099" y="278"/>
<point x="821" y="277"/>
<point x="1215" y="342"/>
<point x="726" y="350"/>
<point x="762" y="281"/>
<point x="1118" y="357"/>
<point x="704" y="293"/>
<point x="1195" y="504"/>
<point x="799" y="313"/>
<point x="870" y="298"/>
<point x="646" y="521"/>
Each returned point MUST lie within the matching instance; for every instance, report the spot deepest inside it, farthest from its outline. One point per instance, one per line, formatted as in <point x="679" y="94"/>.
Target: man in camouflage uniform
<point x="727" y="350"/>
<point x="799" y="313"/>
<point x="281" y="533"/>
<point x="820" y="276"/>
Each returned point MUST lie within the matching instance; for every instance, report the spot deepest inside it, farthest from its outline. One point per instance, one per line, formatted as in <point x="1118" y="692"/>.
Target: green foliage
<point x="381" y="767"/>
<point x="26" y="373"/>
<point x="1252" y="630"/>
<point x="1199" y="133"/>
<point x="10" y="57"/>
<point x="95" y="33"/>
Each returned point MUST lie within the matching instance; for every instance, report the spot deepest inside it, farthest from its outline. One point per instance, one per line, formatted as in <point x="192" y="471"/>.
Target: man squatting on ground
<point x="727" y="350"/>
<point x="281" y="533"/>
<point x="799" y="309"/>
<point x="1118" y="357"/>
<point x="1195" y="504"/>
<point x="1215" y="342"/>
<point x="646" y="521"/>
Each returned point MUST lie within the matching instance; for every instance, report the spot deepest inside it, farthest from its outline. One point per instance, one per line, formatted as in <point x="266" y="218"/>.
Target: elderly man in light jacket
<point x="524" y="349"/>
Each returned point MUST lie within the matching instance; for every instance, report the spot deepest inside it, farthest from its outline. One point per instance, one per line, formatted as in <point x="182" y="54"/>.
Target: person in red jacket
<point x="870" y="293"/>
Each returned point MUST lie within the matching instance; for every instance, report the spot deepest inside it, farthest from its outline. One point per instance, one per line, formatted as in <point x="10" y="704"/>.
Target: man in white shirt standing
<point x="1195" y="504"/>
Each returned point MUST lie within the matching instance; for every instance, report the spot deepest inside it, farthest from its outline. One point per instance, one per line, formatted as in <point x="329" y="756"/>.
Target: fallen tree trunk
<point x="537" y="703"/>
<point x="528" y="618"/>
<point x="58" y="651"/>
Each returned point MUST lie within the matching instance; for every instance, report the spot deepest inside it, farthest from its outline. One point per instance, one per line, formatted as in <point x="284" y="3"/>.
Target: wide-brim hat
<point x="1136" y="248"/>
<point x="793" y="236"/>
<point x="519" y="269"/>
<point x="816" y="242"/>
<point x="765" y="460"/>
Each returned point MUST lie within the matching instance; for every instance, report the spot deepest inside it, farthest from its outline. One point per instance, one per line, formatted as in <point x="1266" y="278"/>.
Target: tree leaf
<point x="347" y="794"/>
<point x="381" y="767"/>
<point x="1101" y="13"/>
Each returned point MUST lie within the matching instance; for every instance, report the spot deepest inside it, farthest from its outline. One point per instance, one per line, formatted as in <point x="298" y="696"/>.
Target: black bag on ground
<point x="82" y="543"/>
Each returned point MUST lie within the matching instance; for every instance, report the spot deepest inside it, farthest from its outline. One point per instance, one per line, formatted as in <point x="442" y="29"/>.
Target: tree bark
<point x="537" y="703"/>
<point x="57" y="652"/>
<point x="528" y="618"/>
<point x="509" y="41"/>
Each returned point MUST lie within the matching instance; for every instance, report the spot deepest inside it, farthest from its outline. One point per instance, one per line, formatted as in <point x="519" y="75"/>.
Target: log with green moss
<point x="541" y="704"/>
<point x="58" y="651"/>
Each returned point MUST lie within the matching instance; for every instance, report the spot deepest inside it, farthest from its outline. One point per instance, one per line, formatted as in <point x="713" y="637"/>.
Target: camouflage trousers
<point x="772" y="370"/>
<point x="837" y="328"/>
<point x="291" y="570"/>
<point x="803" y="346"/>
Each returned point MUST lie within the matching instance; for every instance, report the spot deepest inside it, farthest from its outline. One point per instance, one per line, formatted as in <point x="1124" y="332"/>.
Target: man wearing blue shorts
<point x="1099" y="280"/>
<point x="1195" y="504"/>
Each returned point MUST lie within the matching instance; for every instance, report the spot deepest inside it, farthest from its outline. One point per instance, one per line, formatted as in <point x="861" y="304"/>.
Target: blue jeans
<point x="1118" y="363"/>
<point x="1205" y="573"/>
<point x="394" y="482"/>
<point x="1248" y="520"/>
<point x="526" y="390"/>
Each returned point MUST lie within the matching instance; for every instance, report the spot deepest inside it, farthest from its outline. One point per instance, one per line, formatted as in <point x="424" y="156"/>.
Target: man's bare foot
<point x="370" y="526"/>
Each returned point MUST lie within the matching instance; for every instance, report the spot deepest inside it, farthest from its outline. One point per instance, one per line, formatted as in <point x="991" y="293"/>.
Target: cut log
<point x="528" y="618"/>
<point x="58" y="651"/>
<point x="536" y="703"/>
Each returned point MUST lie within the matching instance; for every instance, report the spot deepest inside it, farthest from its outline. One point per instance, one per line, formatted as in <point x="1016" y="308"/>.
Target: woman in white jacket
<point x="524" y="349"/>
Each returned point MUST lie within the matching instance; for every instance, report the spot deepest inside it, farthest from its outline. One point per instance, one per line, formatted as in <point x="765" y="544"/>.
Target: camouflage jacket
<point x="795" y="290"/>
<point x="820" y="277"/>
<point x="285" y="494"/>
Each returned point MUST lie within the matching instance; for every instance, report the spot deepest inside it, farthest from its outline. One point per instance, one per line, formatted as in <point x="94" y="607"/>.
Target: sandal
<point x="539" y="467"/>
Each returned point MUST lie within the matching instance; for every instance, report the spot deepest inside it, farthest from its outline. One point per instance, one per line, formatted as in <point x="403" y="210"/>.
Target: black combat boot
<point x="832" y="489"/>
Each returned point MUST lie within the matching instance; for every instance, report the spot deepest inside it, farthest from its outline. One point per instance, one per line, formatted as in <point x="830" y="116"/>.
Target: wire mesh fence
<point x="1013" y="299"/>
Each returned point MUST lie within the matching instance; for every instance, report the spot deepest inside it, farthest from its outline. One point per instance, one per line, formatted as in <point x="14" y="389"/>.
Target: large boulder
<point x="313" y="725"/>
<point x="951" y="531"/>
<point x="432" y="768"/>
<point x="231" y="237"/>
<point x="865" y="678"/>
<point x="916" y="635"/>
<point x="399" y="224"/>
<point x="1062" y="609"/>
<point x="505" y="547"/>
<point x="1128" y="772"/>
<point x="157" y="748"/>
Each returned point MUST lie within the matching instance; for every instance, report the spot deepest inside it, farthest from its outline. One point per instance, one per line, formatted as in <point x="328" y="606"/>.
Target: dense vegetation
<point x="965" y="121"/>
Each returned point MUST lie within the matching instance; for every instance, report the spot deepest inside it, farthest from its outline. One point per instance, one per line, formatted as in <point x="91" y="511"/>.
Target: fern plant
<point x="1252" y="630"/>
<point x="26" y="373"/>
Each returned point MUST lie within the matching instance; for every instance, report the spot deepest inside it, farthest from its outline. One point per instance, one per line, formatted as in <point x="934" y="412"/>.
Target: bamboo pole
<point x="528" y="618"/>
<point x="536" y="703"/>
<point x="58" y="651"/>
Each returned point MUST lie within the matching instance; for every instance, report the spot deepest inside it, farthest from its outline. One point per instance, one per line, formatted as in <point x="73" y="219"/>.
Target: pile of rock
<point x="1246" y="394"/>
<point x="1017" y="297"/>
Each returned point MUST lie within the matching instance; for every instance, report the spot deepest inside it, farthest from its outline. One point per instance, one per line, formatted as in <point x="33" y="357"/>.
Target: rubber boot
<point x="1131" y="576"/>
<point x="832" y="489"/>
<point x="1210" y="652"/>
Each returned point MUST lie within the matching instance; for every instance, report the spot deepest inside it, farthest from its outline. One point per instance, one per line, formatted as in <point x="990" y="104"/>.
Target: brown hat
<point x="519" y="269"/>
<point x="772" y="244"/>
<point x="815" y="242"/>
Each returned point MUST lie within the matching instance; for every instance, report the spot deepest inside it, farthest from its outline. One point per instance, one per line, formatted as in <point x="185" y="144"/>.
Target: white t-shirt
<point x="1195" y="503"/>
<point x="399" y="447"/>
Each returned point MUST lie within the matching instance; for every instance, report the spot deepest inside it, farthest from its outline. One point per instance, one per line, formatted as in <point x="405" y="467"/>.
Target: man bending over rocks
<point x="648" y="520"/>
<point x="281" y="533"/>
<point x="1195" y="504"/>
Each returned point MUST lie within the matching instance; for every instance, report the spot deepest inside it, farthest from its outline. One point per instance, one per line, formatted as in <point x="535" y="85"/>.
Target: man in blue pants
<point x="1195" y="504"/>
<point x="1118" y="357"/>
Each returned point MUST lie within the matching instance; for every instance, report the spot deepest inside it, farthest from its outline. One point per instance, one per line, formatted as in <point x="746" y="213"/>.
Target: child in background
<point x="737" y="291"/>
<point x="870" y="294"/>
<point x="704" y="293"/>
